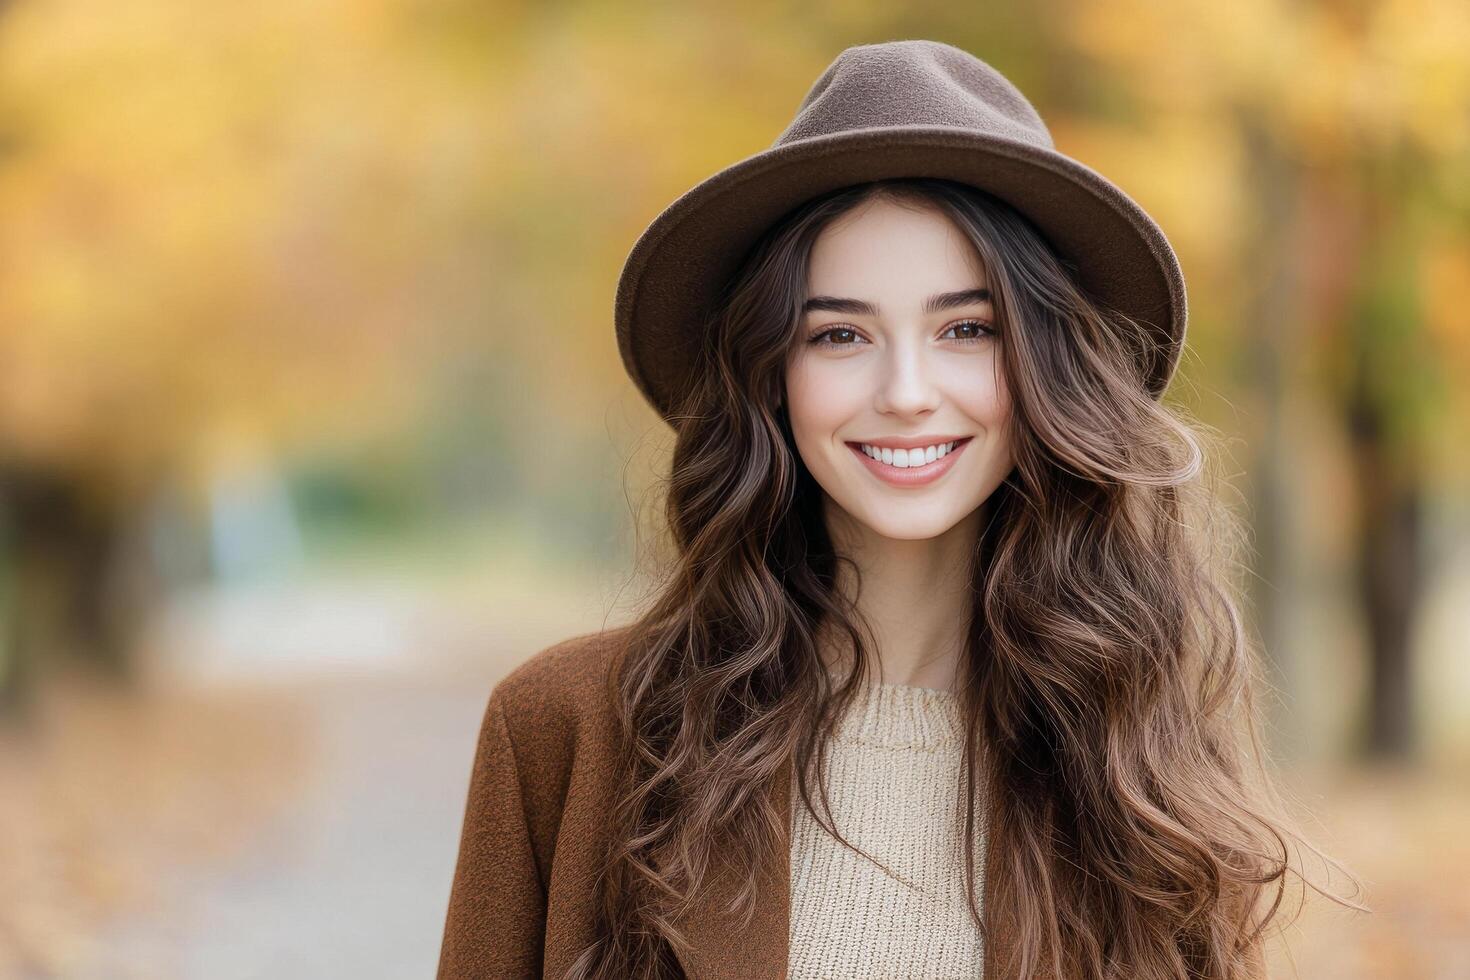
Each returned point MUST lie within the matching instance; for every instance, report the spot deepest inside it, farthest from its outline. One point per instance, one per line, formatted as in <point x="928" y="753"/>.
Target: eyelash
<point x="987" y="331"/>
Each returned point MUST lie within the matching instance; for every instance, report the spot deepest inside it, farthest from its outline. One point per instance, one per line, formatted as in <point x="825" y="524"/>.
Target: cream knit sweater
<point x="893" y="771"/>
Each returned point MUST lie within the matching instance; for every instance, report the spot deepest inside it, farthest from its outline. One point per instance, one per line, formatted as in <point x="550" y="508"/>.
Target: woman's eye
<point x="978" y="329"/>
<point x="843" y="332"/>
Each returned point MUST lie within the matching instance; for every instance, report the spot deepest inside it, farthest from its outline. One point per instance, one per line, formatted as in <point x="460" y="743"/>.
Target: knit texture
<point x="893" y="783"/>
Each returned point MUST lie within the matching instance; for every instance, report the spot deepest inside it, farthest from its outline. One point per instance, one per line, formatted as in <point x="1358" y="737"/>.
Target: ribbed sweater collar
<point x="899" y="716"/>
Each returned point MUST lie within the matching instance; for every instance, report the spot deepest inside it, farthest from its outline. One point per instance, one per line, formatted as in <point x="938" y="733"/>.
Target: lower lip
<point x="911" y="476"/>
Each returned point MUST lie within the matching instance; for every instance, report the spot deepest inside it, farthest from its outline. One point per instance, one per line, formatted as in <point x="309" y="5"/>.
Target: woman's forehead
<point x="897" y="254"/>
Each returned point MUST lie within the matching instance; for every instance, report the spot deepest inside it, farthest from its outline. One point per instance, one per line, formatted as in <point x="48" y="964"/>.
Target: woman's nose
<point x="908" y="385"/>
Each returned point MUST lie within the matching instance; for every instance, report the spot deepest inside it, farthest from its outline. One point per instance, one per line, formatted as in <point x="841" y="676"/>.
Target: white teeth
<point x="904" y="458"/>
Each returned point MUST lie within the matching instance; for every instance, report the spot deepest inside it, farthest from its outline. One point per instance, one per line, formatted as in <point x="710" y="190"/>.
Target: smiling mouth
<point x="908" y="458"/>
<point x="920" y="468"/>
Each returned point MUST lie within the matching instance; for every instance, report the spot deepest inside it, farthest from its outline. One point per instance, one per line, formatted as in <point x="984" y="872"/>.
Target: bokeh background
<point x="312" y="423"/>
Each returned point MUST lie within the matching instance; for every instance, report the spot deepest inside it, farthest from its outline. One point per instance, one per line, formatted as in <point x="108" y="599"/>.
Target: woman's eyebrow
<point x="861" y="307"/>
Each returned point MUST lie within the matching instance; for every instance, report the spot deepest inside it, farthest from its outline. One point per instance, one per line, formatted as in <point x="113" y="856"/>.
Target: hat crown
<point x="914" y="83"/>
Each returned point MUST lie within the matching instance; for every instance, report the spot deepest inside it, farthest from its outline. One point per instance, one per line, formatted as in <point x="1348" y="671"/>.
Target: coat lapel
<point x="719" y="950"/>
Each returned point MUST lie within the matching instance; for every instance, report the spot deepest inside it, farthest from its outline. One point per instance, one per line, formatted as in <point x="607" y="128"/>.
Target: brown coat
<point x="521" y="902"/>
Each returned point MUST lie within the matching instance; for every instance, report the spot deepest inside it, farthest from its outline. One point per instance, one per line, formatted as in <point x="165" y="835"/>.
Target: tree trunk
<point x="64" y="563"/>
<point x="1269" y="318"/>
<point x="1388" y="570"/>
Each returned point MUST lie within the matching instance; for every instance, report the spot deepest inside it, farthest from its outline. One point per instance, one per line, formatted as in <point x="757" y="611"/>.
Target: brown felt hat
<point x="912" y="108"/>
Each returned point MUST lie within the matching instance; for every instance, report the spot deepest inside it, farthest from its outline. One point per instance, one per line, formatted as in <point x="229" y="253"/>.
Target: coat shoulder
<point x="562" y="686"/>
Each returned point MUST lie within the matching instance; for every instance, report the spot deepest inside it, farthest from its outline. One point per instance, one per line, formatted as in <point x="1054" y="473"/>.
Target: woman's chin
<point x="907" y="523"/>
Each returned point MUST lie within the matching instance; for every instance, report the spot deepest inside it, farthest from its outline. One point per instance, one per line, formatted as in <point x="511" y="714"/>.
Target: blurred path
<point x="282" y="798"/>
<point x="350" y="878"/>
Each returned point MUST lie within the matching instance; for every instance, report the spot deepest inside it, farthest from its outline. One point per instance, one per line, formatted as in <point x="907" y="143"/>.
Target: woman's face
<point x="895" y="350"/>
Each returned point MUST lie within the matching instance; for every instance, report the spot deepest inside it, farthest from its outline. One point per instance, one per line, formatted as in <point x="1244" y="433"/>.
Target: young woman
<point x="947" y="677"/>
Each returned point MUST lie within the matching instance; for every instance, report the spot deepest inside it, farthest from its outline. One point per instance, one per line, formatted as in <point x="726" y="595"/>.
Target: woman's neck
<point x="915" y="595"/>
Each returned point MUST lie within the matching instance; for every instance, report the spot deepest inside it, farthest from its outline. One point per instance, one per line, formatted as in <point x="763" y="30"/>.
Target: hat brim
<point x="679" y="263"/>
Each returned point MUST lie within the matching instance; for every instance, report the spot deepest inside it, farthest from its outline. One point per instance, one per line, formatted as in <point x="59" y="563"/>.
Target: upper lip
<point x="913" y="442"/>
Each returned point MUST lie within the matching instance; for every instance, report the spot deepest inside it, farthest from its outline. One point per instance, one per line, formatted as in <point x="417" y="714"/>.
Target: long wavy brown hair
<point x="1107" y="678"/>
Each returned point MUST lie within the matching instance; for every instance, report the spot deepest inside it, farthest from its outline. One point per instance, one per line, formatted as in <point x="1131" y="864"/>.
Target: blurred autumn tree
<point x="222" y="228"/>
